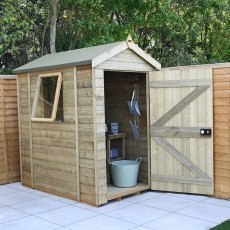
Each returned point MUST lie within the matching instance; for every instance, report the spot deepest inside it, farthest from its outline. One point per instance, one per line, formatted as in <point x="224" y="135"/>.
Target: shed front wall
<point x="126" y="61"/>
<point x="48" y="149"/>
<point x="58" y="157"/>
<point x="9" y="146"/>
<point x="221" y="87"/>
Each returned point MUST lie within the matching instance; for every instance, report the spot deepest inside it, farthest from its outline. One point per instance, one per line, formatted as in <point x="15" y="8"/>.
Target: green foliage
<point x="223" y="226"/>
<point x="15" y="27"/>
<point x="175" y="32"/>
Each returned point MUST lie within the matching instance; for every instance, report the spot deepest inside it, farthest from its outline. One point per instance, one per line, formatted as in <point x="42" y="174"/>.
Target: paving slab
<point x="22" y="208"/>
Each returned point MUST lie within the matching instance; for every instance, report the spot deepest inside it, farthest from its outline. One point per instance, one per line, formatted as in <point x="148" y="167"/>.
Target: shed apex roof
<point x="92" y="55"/>
<point x="65" y="58"/>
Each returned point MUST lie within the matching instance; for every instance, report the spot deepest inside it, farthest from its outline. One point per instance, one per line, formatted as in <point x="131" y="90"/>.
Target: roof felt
<point x="64" y="59"/>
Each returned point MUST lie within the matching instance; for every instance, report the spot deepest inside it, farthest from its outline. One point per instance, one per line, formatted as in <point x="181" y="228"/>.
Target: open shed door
<point x="180" y="107"/>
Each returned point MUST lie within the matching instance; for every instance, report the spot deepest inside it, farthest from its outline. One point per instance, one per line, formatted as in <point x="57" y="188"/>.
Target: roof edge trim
<point x="109" y="53"/>
<point x="44" y="68"/>
<point x="144" y="55"/>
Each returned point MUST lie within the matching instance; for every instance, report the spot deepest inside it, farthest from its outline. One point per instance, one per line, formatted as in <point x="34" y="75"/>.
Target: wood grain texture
<point x="183" y="180"/>
<point x="126" y="61"/>
<point x="76" y="130"/>
<point x="182" y="132"/>
<point x="118" y="91"/>
<point x="180" y="83"/>
<point x="177" y="113"/>
<point x="86" y="136"/>
<point x="115" y="192"/>
<point x="181" y="105"/>
<point x="221" y="90"/>
<point x="53" y="145"/>
<point x="180" y="157"/>
<point x="9" y="138"/>
<point x="97" y="76"/>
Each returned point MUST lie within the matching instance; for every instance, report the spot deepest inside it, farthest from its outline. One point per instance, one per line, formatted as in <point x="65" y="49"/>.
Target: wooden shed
<point x="66" y="99"/>
<point x="9" y="144"/>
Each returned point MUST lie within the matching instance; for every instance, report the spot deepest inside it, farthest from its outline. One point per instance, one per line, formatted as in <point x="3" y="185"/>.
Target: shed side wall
<point x="49" y="150"/>
<point x="221" y="83"/>
<point x="54" y="145"/>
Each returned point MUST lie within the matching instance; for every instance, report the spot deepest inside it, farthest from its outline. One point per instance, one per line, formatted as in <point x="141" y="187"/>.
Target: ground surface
<point x="27" y="209"/>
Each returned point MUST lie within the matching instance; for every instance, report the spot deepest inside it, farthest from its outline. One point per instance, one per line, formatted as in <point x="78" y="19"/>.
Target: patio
<point x="22" y="208"/>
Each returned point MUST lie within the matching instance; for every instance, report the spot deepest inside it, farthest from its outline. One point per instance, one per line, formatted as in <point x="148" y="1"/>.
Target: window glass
<point x="48" y="102"/>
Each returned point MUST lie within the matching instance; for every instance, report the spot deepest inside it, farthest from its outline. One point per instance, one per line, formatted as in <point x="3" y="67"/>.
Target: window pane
<point x="59" y="115"/>
<point x="46" y="99"/>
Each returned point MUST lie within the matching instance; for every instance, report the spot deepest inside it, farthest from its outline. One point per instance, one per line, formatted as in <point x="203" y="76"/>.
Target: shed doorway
<point x="119" y="88"/>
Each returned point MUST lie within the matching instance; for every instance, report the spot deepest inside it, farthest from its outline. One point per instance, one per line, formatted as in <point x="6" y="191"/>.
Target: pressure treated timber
<point x="179" y="156"/>
<point x="9" y="139"/>
<point x="51" y="154"/>
<point x="106" y="55"/>
<point x="144" y="55"/>
<point x="181" y="105"/>
<point x="58" y="151"/>
<point x="115" y="192"/>
<point x="99" y="137"/>
<point x="180" y="83"/>
<point x="182" y="132"/>
<point x="76" y="130"/>
<point x="69" y="158"/>
<point x="182" y="179"/>
<point x="221" y="91"/>
<point x="126" y="61"/>
<point x="178" y="152"/>
<point x="116" y="110"/>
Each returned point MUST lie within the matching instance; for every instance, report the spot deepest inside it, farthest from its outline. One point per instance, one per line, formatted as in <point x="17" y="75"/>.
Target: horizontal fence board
<point x="180" y="83"/>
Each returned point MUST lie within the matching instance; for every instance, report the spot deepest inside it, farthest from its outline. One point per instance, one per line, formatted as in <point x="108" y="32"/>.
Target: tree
<point x="53" y="26"/>
<point x="175" y="32"/>
<point x="15" y="36"/>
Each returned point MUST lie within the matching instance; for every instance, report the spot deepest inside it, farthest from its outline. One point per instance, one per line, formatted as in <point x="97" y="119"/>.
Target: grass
<point x="223" y="226"/>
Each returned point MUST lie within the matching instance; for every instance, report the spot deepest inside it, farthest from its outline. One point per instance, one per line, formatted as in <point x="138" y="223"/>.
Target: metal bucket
<point x="125" y="172"/>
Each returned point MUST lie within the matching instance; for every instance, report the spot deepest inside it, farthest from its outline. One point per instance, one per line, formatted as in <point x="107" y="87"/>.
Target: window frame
<point x="56" y="98"/>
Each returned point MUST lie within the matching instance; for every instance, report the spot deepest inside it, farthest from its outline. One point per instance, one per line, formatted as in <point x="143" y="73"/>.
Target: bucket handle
<point x="139" y="159"/>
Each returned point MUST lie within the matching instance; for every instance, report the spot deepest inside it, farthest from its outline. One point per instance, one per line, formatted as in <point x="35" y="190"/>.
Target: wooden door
<point x="180" y="106"/>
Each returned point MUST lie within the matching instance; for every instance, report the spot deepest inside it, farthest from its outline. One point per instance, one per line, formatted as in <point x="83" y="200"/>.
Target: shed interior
<point x="119" y="87"/>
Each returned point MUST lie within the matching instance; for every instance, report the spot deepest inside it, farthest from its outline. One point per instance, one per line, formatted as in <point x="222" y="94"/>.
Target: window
<point x="48" y="99"/>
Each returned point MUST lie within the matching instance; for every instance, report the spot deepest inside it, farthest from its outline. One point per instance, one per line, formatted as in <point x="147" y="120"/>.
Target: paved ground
<point x="27" y="209"/>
